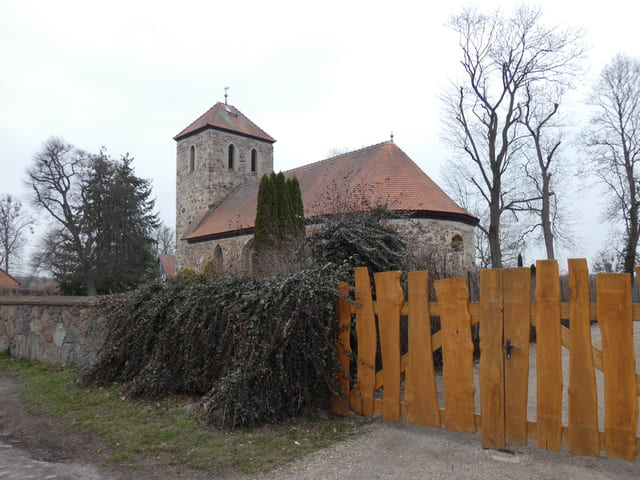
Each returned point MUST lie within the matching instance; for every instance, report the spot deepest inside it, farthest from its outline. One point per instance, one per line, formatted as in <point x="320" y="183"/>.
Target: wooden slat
<point x="620" y="396"/>
<point x="457" y="353"/>
<point x="492" y="360"/>
<point x="390" y="300"/>
<point x="517" y="307"/>
<point x="341" y="403"/>
<point x="420" y="389"/>
<point x="584" y="438"/>
<point x="549" y="356"/>
<point x="366" y="334"/>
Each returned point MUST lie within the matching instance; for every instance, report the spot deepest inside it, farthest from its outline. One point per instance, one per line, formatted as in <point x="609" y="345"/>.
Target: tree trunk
<point x="545" y="216"/>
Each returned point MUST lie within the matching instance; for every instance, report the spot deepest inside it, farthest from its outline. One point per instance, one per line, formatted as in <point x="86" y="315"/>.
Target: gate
<point x="392" y="369"/>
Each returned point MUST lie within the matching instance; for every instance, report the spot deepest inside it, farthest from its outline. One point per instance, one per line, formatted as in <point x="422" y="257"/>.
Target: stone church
<point x="222" y="156"/>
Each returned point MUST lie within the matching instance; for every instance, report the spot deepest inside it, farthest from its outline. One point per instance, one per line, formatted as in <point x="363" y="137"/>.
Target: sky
<point x="316" y="76"/>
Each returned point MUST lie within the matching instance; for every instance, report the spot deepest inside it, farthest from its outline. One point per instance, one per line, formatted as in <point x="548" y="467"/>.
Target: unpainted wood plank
<point x="517" y="328"/>
<point x="584" y="437"/>
<point x="492" y="360"/>
<point x="341" y="402"/>
<point x="390" y="299"/>
<point x="549" y="356"/>
<point x="366" y="335"/>
<point x="457" y="354"/>
<point x="613" y="292"/>
<point x="420" y="389"/>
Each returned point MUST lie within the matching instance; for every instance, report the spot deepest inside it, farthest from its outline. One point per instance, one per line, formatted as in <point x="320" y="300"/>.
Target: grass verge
<point x="168" y="431"/>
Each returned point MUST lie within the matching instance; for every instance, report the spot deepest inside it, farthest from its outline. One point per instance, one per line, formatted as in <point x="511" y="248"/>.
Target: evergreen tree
<point x="279" y="226"/>
<point x="102" y="240"/>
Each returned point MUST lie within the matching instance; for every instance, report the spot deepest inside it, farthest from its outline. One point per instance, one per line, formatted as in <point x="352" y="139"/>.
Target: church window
<point x="192" y="158"/>
<point x="457" y="243"/>
<point x="247" y="258"/>
<point x="254" y="160"/>
<point x="218" y="259"/>
<point x="232" y="154"/>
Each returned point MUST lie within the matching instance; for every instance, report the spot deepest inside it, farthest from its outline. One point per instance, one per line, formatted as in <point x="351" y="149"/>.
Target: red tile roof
<point x="227" y="118"/>
<point x="356" y="181"/>
<point x="168" y="263"/>
<point x="7" y="281"/>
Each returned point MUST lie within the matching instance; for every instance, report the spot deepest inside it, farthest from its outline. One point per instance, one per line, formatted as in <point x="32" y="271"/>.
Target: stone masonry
<point x="211" y="180"/>
<point x="57" y="330"/>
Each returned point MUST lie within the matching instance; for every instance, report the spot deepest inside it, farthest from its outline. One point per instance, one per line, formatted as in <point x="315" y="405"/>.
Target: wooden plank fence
<point x="393" y="372"/>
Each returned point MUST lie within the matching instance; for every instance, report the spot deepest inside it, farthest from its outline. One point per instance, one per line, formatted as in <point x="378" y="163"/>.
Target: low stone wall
<point x="58" y="330"/>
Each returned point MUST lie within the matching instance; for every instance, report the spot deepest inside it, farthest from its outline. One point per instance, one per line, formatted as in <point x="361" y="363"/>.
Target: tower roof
<point x="381" y="174"/>
<point x="226" y="118"/>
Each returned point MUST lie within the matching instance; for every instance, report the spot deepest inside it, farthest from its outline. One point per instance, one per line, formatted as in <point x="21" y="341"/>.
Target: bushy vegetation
<point x="361" y="240"/>
<point x="258" y="349"/>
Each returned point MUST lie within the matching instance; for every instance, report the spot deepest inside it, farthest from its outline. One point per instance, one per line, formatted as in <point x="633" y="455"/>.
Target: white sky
<point x="314" y="75"/>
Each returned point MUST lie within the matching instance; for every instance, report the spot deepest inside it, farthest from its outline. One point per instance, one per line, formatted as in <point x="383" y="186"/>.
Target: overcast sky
<point x="317" y="76"/>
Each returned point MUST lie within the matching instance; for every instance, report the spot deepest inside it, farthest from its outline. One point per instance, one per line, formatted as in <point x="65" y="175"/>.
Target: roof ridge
<point x="248" y="119"/>
<point x="350" y="152"/>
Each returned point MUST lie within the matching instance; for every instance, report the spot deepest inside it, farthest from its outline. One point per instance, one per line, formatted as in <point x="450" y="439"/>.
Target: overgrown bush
<point x="258" y="349"/>
<point x="362" y="240"/>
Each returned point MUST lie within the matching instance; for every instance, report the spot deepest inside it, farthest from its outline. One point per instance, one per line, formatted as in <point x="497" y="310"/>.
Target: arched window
<point x="192" y="158"/>
<point x="232" y="154"/>
<point x="247" y="258"/>
<point x="457" y="243"/>
<point x="254" y="160"/>
<point x="218" y="259"/>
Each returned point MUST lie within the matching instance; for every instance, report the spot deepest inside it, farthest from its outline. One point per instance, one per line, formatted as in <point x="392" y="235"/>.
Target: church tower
<point x="216" y="153"/>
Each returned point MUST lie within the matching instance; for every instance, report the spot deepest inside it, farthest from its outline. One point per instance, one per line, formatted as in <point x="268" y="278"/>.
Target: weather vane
<point x="226" y="89"/>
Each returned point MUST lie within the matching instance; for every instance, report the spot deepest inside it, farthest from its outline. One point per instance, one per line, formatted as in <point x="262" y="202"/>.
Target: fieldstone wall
<point x="453" y="243"/>
<point x="57" y="330"/>
<point x="211" y="179"/>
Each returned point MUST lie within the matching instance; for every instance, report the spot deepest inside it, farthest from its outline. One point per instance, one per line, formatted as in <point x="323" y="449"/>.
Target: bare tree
<point x="613" y="141"/>
<point x="543" y="164"/>
<point x="501" y="57"/>
<point x="165" y="240"/>
<point x="14" y="222"/>
<point x="55" y="178"/>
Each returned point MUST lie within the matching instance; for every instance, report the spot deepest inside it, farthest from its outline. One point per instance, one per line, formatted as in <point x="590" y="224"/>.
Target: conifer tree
<point x="279" y="224"/>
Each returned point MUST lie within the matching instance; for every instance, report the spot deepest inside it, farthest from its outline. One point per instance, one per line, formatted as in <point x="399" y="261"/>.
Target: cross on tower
<point x="226" y="89"/>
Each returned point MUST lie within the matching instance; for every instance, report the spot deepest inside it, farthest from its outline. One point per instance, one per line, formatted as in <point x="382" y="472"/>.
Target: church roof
<point x="381" y="174"/>
<point x="226" y="118"/>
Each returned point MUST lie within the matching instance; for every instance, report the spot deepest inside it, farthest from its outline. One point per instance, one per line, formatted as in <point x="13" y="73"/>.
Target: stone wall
<point x="57" y="330"/>
<point x="452" y="241"/>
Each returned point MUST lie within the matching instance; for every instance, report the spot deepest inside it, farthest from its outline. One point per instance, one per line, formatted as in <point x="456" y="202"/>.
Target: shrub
<point x="259" y="349"/>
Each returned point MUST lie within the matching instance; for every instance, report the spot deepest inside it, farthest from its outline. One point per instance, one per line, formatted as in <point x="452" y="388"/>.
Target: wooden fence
<point x="393" y="371"/>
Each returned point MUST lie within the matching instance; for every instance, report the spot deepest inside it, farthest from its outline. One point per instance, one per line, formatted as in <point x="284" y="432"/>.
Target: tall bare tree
<point x="55" y="178"/>
<point x="613" y="141"/>
<point x="544" y="165"/>
<point x="501" y="57"/>
<point x="14" y="223"/>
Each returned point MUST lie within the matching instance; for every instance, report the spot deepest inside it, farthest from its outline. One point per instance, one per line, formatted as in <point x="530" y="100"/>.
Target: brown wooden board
<point x="341" y="403"/>
<point x="390" y="298"/>
<point x="549" y="356"/>
<point x="420" y="394"/>
<point x="584" y="438"/>
<point x="492" y="360"/>
<point x="457" y="353"/>
<point x="366" y="334"/>
<point x="517" y="321"/>
<point x="613" y="293"/>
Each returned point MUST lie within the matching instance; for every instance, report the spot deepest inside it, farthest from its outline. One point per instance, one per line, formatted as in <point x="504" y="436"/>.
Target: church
<point x="222" y="156"/>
